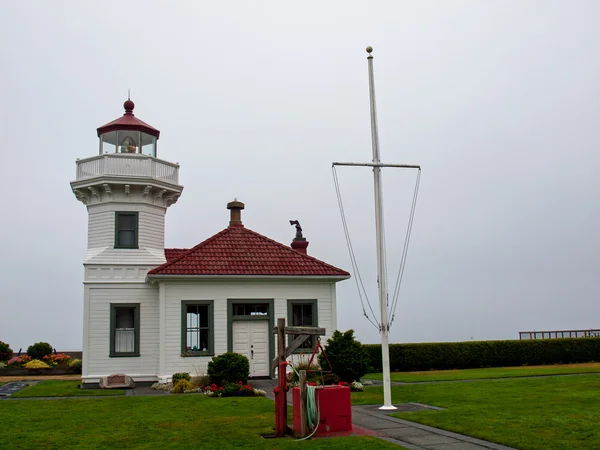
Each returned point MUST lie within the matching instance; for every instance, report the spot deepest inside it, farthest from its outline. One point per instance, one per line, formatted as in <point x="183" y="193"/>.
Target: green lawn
<point x="526" y="413"/>
<point x="182" y="421"/>
<point x="492" y="372"/>
<point x="55" y="388"/>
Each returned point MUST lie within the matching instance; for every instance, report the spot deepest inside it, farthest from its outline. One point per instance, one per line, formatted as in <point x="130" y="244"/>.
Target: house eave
<point x="152" y="278"/>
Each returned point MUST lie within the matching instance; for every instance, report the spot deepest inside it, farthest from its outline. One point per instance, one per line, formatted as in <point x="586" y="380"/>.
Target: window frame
<point x="113" y="322"/>
<point x="290" y="316"/>
<point x="211" y="326"/>
<point x="135" y="231"/>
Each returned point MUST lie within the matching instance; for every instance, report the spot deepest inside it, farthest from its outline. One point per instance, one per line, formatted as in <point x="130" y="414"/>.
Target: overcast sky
<point x="498" y="101"/>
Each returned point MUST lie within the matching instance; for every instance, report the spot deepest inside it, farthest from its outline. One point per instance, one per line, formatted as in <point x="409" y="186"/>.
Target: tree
<point x="349" y="360"/>
<point x="39" y="350"/>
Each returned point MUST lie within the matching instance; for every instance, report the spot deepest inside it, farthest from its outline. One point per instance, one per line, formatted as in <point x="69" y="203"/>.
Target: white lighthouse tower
<point x="127" y="190"/>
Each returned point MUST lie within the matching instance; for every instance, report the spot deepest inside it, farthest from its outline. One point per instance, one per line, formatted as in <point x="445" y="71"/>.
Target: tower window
<point x="124" y="329"/>
<point x="126" y="229"/>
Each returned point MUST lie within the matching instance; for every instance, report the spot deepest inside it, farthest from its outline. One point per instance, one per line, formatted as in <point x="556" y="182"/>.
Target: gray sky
<point x="497" y="100"/>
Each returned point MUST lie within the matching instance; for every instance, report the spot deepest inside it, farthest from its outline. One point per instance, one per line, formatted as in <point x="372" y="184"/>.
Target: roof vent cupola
<point x="128" y="134"/>
<point x="236" y="213"/>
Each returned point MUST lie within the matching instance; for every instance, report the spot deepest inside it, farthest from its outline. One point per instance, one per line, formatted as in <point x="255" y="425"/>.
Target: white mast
<point x="384" y="326"/>
<point x="381" y="272"/>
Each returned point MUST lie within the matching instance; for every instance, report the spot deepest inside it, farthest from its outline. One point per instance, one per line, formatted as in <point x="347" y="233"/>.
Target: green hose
<point x="312" y="411"/>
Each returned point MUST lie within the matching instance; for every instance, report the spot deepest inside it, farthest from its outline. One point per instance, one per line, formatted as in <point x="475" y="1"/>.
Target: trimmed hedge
<point x="476" y="354"/>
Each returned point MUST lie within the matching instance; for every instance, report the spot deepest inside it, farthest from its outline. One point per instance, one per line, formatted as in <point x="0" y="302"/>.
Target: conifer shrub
<point x="349" y="360"/>
<point x="5" y="351"/>
<point x="228" y="368"/>
<point x="39" y="350"/>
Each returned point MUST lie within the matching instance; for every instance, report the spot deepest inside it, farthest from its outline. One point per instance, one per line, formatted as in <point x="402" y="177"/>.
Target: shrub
<point x="181" y="386"/>
<point x="330" y="378"/>
<point x="5" y="351"/>
<point x="476" y="354"/>
<point x="18" y="361"/>
<point x="200" y="381"/>
<point x="75" y="363"/>
<point x="36" y="364"/>
<point x="347" y="356"/>
<point x="39" y="350"/>
<point x="181" y="376"/>
<point x="59" y="359"/>
<point x="228" y="368"/>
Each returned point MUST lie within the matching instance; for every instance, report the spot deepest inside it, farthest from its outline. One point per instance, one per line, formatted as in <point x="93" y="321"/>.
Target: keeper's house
<point x="151" y="311"/>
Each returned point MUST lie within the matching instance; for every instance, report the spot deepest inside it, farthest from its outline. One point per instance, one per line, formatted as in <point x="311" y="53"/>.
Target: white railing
<point x="119" y="164"/>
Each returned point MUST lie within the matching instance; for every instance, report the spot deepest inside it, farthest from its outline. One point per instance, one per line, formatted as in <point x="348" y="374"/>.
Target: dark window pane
<point x="126" y="222"/>
<point x="126" y="238"/>
<point x="307" y="315"/>
<point x="302" y="316"/>
<point x="297" y="315"/>
<point x="203" y="313"/>
<point x="125" y="318"/>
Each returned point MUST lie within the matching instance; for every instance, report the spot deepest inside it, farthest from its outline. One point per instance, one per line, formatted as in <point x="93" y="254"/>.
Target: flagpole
<point x="381" y="274"/>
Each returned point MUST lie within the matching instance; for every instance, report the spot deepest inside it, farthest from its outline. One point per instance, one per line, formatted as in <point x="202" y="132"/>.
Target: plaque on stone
<point x="117" y="381"/>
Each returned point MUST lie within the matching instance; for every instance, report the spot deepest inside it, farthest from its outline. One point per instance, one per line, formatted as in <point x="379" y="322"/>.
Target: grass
<point x="183" y="421"/>
<point x="492" y="372"/>
<point x="526" y="413"/>
<point x="53" y="388"/>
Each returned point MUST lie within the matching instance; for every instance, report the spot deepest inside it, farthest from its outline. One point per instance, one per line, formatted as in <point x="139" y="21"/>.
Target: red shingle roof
<point x="240" y="251"/>
<point x="173" y="253"/>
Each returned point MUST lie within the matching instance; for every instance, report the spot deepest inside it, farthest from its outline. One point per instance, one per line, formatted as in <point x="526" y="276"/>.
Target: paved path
<point x="410" y="435"/>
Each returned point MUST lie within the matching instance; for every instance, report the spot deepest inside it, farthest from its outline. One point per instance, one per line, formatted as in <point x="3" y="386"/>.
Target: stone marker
<point x="117" y="381"/>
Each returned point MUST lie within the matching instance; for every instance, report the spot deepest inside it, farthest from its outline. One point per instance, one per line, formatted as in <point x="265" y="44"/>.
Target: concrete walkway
<point x="410" y="435"/>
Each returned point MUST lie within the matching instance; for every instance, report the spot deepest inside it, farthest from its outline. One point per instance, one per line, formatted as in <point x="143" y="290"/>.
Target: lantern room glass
<point x="128" y="141"/>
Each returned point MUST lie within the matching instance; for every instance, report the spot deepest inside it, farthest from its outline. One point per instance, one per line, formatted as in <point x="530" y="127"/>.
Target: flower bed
<point x="229" y="390"/>
<point x="19" y="371"/>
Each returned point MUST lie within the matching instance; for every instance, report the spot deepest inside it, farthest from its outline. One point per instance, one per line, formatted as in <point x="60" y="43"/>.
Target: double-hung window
<point x="124" y="329"/>
<point x="303" y="313"/>
<point x="126" y="229"/>
<point x="197" y="329"/>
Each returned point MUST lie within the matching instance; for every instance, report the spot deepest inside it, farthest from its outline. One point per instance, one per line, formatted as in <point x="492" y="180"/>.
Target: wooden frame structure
<point x="302" y="334"/>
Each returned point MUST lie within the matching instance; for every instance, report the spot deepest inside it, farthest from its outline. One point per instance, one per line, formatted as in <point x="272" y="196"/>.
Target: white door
<point x="251" y="338"/>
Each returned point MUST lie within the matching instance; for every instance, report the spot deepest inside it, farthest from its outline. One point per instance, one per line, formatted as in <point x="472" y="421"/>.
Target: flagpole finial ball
<point x="369" y="49"/>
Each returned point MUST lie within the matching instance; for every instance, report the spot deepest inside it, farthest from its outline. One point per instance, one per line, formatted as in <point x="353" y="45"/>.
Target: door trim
<point x="270" y="317"/>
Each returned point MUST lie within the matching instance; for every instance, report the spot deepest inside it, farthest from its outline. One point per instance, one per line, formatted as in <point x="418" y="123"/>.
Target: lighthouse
<point x="126" y="189"/>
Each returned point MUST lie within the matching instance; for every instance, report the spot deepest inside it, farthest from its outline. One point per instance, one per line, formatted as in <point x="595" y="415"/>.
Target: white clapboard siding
<point x="220" y="292"/>
<point x="101" y="235"/>
<point x="96" y="358"/>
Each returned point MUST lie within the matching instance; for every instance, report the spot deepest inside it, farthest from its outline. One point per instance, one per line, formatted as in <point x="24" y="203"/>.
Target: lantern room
<point x="128" y="134"/>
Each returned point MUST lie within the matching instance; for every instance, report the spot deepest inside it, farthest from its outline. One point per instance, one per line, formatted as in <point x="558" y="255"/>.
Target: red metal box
<point x="335" y="409"/>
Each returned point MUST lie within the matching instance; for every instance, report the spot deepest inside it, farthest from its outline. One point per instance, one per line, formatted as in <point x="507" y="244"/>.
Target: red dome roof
<point x="128" y="122"/>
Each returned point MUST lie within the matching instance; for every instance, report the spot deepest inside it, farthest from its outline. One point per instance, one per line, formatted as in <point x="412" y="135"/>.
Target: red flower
<point x="220" y="388"/>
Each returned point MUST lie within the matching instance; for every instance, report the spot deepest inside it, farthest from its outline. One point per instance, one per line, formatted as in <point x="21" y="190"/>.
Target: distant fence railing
<point x="558" y="334"/>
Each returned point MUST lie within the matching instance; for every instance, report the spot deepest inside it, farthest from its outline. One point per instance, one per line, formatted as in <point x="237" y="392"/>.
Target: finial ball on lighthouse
<point x="369" y="49"/>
